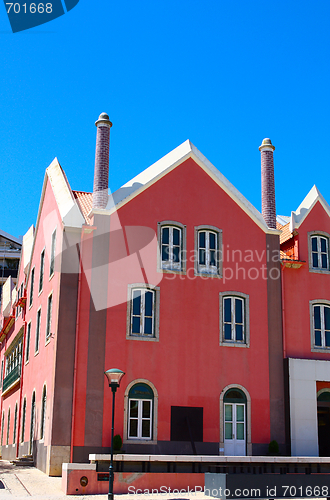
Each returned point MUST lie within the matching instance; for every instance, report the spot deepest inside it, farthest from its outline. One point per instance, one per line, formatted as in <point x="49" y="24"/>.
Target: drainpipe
<point x="76" y="346"/>
<point x="283" y="312"/>
<point x="21" y="386"/>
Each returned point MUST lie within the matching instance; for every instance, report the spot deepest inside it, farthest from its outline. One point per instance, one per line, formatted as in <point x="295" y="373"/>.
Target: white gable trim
<point x="298" y="217"/>
<point x="168" y="163"/>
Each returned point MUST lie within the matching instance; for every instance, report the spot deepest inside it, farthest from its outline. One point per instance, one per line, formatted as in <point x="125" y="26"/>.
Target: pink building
<point x="176" y="279"/>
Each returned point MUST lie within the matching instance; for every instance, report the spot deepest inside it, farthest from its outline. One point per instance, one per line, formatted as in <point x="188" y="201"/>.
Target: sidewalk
<point x="29" y="482"/>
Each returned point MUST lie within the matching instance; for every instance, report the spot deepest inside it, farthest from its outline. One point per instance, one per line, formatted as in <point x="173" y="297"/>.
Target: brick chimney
<point x="268" y="183"/>
<point x="101" y="171"/>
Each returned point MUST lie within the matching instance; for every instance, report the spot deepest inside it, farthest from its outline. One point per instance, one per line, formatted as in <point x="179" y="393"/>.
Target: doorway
<point x="323" y="423"/>
<point x="234" y="423"/>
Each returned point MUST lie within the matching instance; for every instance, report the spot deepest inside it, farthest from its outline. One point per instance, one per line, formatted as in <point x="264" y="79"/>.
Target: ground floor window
<point x="140" y="407"/>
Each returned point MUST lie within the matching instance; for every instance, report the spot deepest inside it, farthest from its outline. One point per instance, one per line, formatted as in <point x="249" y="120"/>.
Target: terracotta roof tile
<point x="85" y="202"/>
<point x="286" y="233"/>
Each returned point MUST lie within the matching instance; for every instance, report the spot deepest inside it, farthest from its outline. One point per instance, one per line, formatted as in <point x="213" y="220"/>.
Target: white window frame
<point x="28" y="342"/>
<point x="140" y="419"/>
<point x="42" y="270"/>
<point x="38" y="328"/>
<point x="326" y="237"/>
<point x="33" y="272"/>
<point x="170" y="266"/>
<point x="49" y="316"/>
<point x="155" y="320"/>
<point x="43" y="413"/>
<point x="52" y="255"/>
<point x="312" y="305"/>
<point x="207" y="269"/>
<point x="246" y="319"/>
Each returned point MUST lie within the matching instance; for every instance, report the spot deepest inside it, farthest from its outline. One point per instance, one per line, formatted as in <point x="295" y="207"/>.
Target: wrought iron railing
<point x="11" y="377"/>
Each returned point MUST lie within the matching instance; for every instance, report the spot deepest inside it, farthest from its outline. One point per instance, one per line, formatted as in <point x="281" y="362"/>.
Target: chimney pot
<point x="101" y="171"/>
<point x="268" y="183"/>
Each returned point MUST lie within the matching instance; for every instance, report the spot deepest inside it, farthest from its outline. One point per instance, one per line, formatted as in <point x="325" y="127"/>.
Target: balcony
<point x="11" y="378"/>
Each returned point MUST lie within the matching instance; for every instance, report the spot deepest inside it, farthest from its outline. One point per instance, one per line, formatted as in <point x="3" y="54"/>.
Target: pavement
<point x="21" y="482"/>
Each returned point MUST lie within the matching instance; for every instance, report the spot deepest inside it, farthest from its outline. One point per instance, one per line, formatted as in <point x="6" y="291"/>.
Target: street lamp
<point x="114" y="377"/>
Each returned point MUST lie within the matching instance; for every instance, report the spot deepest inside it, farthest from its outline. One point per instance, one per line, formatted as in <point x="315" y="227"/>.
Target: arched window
<point x="15" y="425"/>
<point x="141" y="406"/>
<point x="172" y="238"/>
<point x="43" y="413"/>
<point x="8" y="427"/>
<point x="23" y="420"/>
<point x="32" y="423"/>
<point x="2" y="427"/>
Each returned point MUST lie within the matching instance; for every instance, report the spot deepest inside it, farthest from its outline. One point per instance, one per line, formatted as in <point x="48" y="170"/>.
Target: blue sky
<point x="222" y="74"/>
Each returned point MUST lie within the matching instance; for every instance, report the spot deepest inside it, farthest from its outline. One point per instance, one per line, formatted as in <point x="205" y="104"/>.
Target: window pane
<point x="146" y="428"/>
<point x="327" y="338"/>
<point x="317" y="317"/>
<point x="327" y="318"/>
<point x="146" y="405"/>
<point x="228" y="431"/>
<point x="176" y="254"/>
<point x="323" y="245"/>
<point x="166" y="235"/>
<point x="212" y="241"/>
<point x="324" y="259"/>
<point x="133" y="428"/>
<point x="315" y="260"/>
<point x="227" y="331"/>
<point x="239" y="332"/>
<point x="136" y="302"/>
<point x="202" y="239"/>
<point x="240" y="413"/>
<point x="165" y="253"/>
<point x="314" y="244"/>
<point x="202" y="257"/>
<point x="227" y="309"/>
<point x="136" y="324"/>
<point x="212" y="258"/>
<point x="238" y="311"/>
<point x="176" y="236"/>
<point x="318" y="338"/>
<point x="148" y="303"/>
<point x="148" y="326"/>
<point x="239" y="431"/>
<point x="228" y="413"/>
<point x="133" y="408"/>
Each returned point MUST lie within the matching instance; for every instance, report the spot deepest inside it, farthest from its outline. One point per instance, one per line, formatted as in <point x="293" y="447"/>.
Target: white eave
<point x="306" y="206"/>
<point x="168" y="163"/>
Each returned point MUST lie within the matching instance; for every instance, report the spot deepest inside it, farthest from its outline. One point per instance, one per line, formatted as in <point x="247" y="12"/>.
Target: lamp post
<point x="114" y="377"/>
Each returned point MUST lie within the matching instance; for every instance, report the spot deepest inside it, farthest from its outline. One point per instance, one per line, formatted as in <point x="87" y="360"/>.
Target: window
<point x="143" y="312"/>
<point x="140" y="408"/>
<point x="234" y="319"/>
<point x="49" y="316"/>
<point x="15" y="425"/>
<point x="2" y="427"/>
<point x="23" y="420"/>
<point x="17" y="306"/>
<point x="43" y="413"/>
<point x="8" y="427"/>
<point x="208" y="244"/>
<point x="42" y="265"/>
<point x="52" y="255"/>
<point x="13" y="362"/>
<point x="28" y="337"/>
<point x="318" y="252"/>
<point x="1" y="374"/>
<point x="172" y="237"/>
<point x="31" y="287"/>
<point x="38" y="331"/>
<point x="320" y="325"/>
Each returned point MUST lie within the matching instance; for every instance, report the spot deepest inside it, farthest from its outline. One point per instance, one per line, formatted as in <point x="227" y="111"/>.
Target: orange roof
<point x="278" y="225"/>
<point x="286" y="233"/>
<point x="85" y="202"/>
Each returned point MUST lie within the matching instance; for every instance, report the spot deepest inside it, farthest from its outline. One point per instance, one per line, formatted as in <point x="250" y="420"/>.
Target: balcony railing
<point x="11" y="377"/>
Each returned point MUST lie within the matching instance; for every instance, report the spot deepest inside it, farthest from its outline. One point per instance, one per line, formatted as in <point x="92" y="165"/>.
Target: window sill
<point x="48" y="340"/>
<point x="139" y="441"/>
<point x="142" y="337"/>
<point x="36" y="353"/>
<point x="318" y="270"/>
<point x="171" y="271"/>
<point x="233" y="344"/>
<point x="325" y="350"/>
<point x="51" y="276"/>
<point x="208" y="275"/>
<point x="39" y="293"/>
